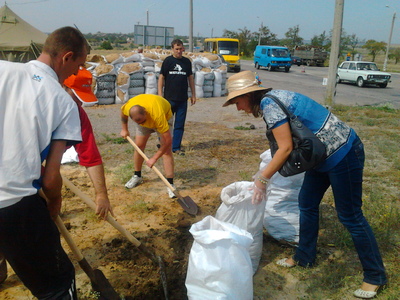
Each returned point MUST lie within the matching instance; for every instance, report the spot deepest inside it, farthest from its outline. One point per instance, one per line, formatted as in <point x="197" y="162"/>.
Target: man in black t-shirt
<point x="175" y="77"/>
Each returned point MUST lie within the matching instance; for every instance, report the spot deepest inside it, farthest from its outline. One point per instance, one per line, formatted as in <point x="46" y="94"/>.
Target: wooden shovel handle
<point x="64" y="232"/>
<point x="154" y="167"/>
<point x="92" y="205"/>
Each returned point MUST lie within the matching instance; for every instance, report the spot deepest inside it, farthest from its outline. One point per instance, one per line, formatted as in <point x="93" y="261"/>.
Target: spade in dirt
<point x="186" y="202"/>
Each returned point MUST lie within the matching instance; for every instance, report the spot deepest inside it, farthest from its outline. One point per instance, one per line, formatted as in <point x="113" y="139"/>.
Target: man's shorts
<point x="144" y="131"/>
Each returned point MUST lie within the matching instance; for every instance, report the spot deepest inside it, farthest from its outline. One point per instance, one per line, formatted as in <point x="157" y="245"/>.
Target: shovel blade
<point x="188" y="205"/>
<point x="102" y="285"/>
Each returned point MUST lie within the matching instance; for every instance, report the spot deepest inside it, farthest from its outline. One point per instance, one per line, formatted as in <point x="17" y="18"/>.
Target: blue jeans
<point x="346" y="181"/>
<point x="179" y="110"/>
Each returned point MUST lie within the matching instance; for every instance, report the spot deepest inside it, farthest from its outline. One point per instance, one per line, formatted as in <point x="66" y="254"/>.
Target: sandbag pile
<point x="119" y="77"/>
<point x="210" y="75"/>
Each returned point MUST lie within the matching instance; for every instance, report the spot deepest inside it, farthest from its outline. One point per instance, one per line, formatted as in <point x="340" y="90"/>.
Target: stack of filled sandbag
<point x="119" y="77"/>
<point x="104" y="77"/>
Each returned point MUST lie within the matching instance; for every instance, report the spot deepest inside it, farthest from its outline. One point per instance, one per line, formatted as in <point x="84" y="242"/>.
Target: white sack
<point x="219" y="264"/>
<point x="105" y="90"/>
<point x="198" y="84"/>
<point x="70" y="156"/>
<point x="123" y="83"/>
<point x="237" y="209"/>
<point x="131" y="58"/>
<point x="217" y="91"/>
<point x="217" y="77"/>
<point x="201" y="62"/>
<point x="157" y="66"/>
<point x="113" y="58"/>
<point x="282" y="215"/>
<point x="151" y="83"/>
<point x="149" y="69"/>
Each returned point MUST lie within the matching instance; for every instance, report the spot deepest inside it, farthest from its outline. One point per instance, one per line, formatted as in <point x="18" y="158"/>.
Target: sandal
<point x="360" y="293"/>
<point x="282" y="262"/>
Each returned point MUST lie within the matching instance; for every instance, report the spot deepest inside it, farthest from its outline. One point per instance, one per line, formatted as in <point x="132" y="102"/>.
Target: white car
<point x="362" y="73"/>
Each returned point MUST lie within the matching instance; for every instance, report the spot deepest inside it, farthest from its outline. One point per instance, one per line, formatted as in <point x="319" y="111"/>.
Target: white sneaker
<point x="134" y="181"/>
<point x="170" y="192"/>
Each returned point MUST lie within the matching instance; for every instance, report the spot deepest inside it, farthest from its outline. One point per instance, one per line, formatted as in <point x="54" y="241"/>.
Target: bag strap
<point x="281" y="105"/>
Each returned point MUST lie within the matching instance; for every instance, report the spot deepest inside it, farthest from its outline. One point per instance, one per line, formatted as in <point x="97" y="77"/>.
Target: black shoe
<point x="179" y="152"/>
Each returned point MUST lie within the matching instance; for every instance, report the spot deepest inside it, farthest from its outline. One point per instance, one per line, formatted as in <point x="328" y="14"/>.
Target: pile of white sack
<point x="119" y="77"/>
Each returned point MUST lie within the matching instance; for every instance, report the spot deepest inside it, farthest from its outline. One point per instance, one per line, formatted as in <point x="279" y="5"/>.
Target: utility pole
<point x="334" y="56"/>
<point x="191" y="26"/>
<point x="390" y="40"/>
<point x="259" y="36"/>
<point x="147" y="13"/>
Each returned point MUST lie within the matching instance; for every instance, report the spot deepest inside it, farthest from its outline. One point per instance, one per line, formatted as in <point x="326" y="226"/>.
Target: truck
<point x="311" y="56"/>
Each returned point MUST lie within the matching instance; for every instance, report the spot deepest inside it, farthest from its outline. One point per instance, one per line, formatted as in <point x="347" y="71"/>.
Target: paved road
<point x="308" y="81"/>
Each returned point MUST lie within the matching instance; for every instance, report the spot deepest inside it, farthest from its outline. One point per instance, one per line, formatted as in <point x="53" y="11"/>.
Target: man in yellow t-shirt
<point x="150" y="113"/>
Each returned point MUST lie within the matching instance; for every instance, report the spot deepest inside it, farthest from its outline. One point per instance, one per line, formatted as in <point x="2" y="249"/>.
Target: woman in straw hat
<point x="342" y="170"/>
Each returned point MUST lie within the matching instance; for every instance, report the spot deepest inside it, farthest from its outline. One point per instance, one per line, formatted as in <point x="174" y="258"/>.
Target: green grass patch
<point x="124" y="172"/>
<point x="242" y="128"/>
<point x="114" y="140"/>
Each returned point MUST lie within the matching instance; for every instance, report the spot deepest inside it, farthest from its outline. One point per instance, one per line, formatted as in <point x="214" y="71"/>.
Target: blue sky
<point x="368" y="19"/>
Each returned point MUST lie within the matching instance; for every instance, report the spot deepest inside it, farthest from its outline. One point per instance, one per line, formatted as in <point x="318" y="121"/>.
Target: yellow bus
<point x="228" y="48"/>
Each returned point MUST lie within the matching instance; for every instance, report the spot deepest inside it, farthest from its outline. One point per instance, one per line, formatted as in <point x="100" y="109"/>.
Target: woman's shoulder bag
<point x="308" y="150"/>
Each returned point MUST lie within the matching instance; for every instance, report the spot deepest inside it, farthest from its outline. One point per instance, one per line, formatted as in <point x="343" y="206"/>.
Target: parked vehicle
<point x="362" y="73"/>
<point x="272" y="57"/>
<point x="296" y="60"/>
<point x="228" y="48"/>
<point x="223" y="60"/>
<point x="311" y="56"/>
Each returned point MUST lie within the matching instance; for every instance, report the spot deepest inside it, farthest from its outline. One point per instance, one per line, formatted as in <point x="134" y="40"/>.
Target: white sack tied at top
<point x="236" y="208"/>
<point x="282" y="214"/>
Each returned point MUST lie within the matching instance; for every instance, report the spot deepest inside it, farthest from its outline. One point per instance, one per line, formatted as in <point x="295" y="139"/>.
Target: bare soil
<point x="217" y="154"/>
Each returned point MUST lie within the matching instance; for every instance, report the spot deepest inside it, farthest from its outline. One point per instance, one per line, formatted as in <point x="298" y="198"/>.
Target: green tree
<point x="245" y="36"/>
<point x="374" y="47"/>
<point x="246" y="39"/>
<point x="292" y="38"/>
<point x="265" y="36"/>
<point x="106" y="45"/>
<point x="230" y="34"/>
<point x="354" y="41"/>
<point x="320" y="41"/>
<point x="394" y="54"/>
<point x="344" y="43"/>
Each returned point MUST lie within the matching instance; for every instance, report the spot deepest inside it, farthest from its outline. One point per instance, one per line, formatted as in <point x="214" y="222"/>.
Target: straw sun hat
<point x="242" y="83"/>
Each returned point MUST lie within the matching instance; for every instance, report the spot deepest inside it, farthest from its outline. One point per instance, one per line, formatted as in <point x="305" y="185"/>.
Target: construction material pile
<point x="119" y="77"/>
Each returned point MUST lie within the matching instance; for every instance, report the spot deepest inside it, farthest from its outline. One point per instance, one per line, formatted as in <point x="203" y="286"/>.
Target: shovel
<point x="99" y="282"/>
<point x="186" y="202"/>
<point x="155" y="258"/>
